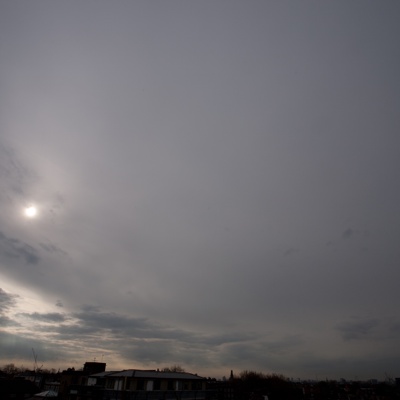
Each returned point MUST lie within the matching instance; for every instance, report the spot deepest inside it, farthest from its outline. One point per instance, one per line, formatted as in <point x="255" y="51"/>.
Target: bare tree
<point x="173" y="368"/>
<point x="11" y="369"/>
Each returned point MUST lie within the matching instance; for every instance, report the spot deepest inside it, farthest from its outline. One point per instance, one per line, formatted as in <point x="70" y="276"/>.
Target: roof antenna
<point x="35" y="365"/>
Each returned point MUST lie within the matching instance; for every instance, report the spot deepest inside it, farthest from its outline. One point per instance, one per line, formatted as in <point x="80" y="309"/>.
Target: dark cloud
<point x="142" y="328"/>
<point x="129" y="327"/>
<point x="130" y="339"/>
<point x="17" y="347"/>
<point x="14" y="176"/>
<point x="11" y="249"/>
<point x="6" y="321"/>
<point x="358" y="329"/>
<point x="139" y="338"/>
<point x="111" y="320"/>
<point x="395" y="327"/>
<point x="160" y="351"/>
<point x="72" y="331"/>
<point x="51" y="248"/>
<point x="225" y="338"/>
<point x="47" y="317"/>
<point x="261" y="352"/>
<point x="353" y="367"/>
<point x="7" y="300"/>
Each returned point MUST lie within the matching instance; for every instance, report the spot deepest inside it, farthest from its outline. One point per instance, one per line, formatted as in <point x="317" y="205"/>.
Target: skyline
<point x="215" y="185"/>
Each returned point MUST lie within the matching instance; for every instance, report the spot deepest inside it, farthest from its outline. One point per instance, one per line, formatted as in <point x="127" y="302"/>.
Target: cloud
<point x="150" y="351"/>
<point x="6" y="321"/>
<point x="11" y="249"/>
<point x="142" y="328"/>
<point x="261" y="351"/>
<point x="133" y="339"/>
<point x="93" y="330"/>
<point x="14" y="175"/>
<point x="75" y="330"/>
<point x="19" y="347"/>
<point x="225" y="338"/>
<point x="52" y="248"/>
<point x="348" y="233"/>
<point x="291" y="251"/>
<point x="47" y="317"/>
<point x="169" y="200"/>
<point x="111" y="320"/>
<point x="7" y="303"/>
<point x="358" y="330"/>
<point x="7" y="300"/>
<point x="395" y="327"/>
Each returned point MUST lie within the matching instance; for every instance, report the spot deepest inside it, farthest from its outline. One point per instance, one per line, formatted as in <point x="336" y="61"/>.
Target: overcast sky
<point x="217" y="185"/>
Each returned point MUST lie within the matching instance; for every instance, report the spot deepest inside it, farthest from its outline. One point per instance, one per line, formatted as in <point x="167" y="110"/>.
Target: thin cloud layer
<point x="216" y="186"/>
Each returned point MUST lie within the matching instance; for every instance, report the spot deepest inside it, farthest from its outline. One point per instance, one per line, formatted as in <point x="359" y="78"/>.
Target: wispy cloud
<point x="45" y="317"/>
<point x="348" y="233"/>
<point x="7" y="302"/>
<point x="11" y="249"/>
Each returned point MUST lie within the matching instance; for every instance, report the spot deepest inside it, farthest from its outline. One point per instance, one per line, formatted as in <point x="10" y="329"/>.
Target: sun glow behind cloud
<point x="31" y="211"/>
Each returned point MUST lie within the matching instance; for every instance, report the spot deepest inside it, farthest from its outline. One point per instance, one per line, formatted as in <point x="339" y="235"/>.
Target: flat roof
<point x="153" y="374"/>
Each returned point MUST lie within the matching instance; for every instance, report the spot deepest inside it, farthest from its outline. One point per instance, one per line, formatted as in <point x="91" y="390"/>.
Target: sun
<point x="30" y="211"/>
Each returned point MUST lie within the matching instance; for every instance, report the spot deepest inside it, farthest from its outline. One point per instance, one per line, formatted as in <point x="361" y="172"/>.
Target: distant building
<point x="94" y="367"/>
<point x="44" y="380"/>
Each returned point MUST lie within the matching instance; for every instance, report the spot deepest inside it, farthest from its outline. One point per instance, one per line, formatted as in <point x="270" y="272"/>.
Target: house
<point x="148" y="380"/>
<point x="71" y="377"/>
<point x="44" y="380"/>
<point x="133" y="384"/>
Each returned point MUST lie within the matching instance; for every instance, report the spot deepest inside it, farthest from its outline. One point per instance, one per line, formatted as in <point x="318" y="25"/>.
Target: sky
<point x="216" y="185"/>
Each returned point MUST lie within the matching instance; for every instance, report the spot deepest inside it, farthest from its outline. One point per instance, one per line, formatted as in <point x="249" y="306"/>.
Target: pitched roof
<point x="46" y="394"/>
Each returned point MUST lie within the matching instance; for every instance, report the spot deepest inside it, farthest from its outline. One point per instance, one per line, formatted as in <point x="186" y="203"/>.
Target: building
<point x="16" y="388"/>
<point x="71" y="377"/>
<point x="133" y="384"/>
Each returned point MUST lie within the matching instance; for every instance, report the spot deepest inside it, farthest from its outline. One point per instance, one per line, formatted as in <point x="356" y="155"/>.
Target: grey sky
<point x="217" y="185"/>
